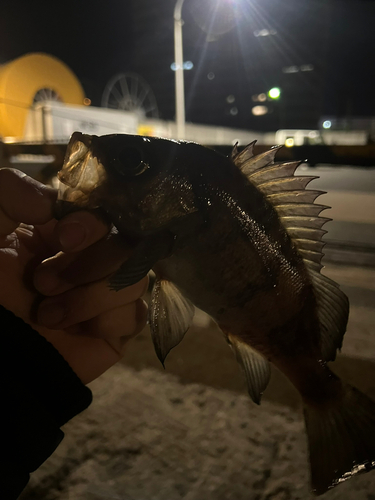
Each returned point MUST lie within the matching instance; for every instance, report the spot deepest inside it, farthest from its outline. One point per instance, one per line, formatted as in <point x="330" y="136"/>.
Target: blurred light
<point x="327" y="124"/>
<point x="259" y="97"/>
<point x="307" y="67"/>
<point x="264" y="32"/>
<point x="259" y="110"/>
<point x="313" y="134"/>
<point x="296" y="69"/>
<point x="187" y="65"/>
<point x="211" y="75"/>
<point x="233" y="111"/>
<point x="290" y="69"/>
<point x="274" y="93"/>
<point x="86" y="101"/>
<point x="289" y="142"/>
<point x="230" y="98"/>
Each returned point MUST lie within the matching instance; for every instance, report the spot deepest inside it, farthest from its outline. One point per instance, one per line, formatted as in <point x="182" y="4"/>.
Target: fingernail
<point x="46" y="280"/>
<point x="71" y="235"/>
<point x="51" y="313"/>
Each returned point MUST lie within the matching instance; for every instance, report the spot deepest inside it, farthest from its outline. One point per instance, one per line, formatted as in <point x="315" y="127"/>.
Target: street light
<point x="179" y="73"/>
<point x="274" y="93"/>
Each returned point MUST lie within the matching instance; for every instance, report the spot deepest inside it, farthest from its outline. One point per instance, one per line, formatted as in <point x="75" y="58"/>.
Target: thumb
<point x="23" y="199"/>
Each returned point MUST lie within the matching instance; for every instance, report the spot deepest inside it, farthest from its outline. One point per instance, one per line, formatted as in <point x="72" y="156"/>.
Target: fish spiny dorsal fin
<point x="301" y="219"/>
<point x="250" y="165"/>
<point x="239" y="158"/>
<point x="293" y="203"/>
<point x="234" y="152"/>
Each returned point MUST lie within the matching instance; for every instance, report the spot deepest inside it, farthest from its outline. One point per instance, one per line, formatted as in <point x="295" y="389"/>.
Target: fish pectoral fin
<point x="145" y="256"/>
<point x="255" y="366"/>
<point x="170" y="316"/>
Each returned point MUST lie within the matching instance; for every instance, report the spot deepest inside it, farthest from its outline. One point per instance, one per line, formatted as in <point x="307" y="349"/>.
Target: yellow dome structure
<point x="29" y="79"/>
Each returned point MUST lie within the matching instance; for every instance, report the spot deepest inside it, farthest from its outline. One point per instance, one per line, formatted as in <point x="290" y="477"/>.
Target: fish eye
<point x="130" y="160"/>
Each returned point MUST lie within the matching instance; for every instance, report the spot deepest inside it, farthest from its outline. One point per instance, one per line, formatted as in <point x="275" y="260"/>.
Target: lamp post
<point x="179" y="73"/>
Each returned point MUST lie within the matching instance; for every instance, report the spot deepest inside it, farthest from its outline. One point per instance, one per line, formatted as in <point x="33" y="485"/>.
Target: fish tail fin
<point x="341" y="438"/>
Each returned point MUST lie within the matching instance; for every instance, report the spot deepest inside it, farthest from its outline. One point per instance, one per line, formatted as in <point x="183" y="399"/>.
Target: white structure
<point x="55" y="122"/>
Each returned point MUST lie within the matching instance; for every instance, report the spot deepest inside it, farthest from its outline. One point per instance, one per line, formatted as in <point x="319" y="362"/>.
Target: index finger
<point x="23" y="199"/>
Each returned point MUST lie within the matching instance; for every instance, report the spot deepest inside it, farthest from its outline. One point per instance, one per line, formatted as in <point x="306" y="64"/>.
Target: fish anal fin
<point x="170" y="316"/>
<point x="255" y="366"/>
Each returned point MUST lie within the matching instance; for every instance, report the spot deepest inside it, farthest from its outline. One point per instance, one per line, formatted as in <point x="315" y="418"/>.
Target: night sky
<point x="99" y="39"/>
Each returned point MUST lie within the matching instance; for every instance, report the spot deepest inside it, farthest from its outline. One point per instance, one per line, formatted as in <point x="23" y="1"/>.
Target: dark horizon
<point x="332" y="40"/>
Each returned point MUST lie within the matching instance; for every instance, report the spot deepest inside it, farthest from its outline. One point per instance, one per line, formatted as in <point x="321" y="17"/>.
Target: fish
<point x="239" y="237"/>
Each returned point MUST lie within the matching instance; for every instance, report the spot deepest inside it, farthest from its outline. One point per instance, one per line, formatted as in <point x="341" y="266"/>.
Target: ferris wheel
<point x="130" y="92"/>
<point x="46" y="94"/>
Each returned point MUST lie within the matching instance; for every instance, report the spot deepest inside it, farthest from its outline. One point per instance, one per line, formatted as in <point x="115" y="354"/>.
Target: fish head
<point x="142" y="183"/>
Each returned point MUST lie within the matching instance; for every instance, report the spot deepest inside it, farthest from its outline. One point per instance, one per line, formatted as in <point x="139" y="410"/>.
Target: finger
<point x="68" y="270"/>
<point x="78" y="230"/>
<point x="117" y="325"/>
<point x="86" y="302"/>
<point x="23" y="199"/>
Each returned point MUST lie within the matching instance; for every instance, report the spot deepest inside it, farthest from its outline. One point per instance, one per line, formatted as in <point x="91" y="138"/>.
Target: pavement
<point x="350" y="192"/>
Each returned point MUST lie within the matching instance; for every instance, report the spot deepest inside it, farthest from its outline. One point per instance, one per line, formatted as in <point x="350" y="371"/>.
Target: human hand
<point x="68" y="261"/>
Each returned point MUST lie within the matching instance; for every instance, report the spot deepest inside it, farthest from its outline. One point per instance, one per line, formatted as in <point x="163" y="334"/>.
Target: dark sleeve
<point x="40" y="393"/>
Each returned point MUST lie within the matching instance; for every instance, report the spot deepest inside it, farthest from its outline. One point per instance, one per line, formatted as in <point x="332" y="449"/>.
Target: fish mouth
<point x="80" y="174"/>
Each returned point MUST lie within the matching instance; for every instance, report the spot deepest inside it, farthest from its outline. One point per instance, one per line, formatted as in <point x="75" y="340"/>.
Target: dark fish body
<point x="240" y="238"/>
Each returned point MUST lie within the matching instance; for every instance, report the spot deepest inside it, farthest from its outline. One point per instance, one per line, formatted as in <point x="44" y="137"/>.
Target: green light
<point x="274" y="93"/>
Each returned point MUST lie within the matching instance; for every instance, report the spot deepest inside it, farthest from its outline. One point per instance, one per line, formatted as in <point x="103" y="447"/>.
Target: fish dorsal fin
<point x="300" y="217"/>
<point x="170" y="316"/>
<point x="255" y="366"/>
<point x="288" y="195"/>
<point x="248" y="163"/>
<point x="239" y="158"/>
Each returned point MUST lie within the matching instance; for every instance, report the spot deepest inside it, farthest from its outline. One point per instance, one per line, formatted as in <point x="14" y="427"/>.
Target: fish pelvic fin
<point x="300" y="216"/>
<point x="255" y="367"/>
<point x="341" y="439"/>
<point x="170" y="316"/>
